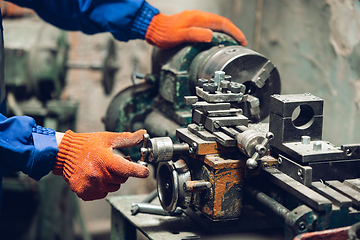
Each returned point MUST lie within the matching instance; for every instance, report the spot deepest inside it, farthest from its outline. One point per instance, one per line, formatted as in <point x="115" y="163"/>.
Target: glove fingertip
<point x="128" y="139"/>
<point x="140" y="171"/>
<point x="144" y="173"/>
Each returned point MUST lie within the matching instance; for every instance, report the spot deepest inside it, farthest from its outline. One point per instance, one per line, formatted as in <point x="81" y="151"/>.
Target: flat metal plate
<point x="346" y="190"/>
<point x="300" y="173"/>
<point x="219" y="97"/>
<point x="336" y="170"/>
<point x="305" y="153"/>
<point x="337" y="198"/>
<point x="204" y="134"/>
<point x="300" y="191"/>
<point x="205" y="106"/>
<point x="224" y="122"/>
<point x="225" y="139"/>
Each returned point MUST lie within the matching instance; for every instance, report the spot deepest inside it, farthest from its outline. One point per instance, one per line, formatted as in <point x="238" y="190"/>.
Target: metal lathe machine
<point x="203" y="106"/>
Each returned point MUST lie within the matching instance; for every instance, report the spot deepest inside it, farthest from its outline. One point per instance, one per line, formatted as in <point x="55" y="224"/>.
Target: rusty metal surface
<point x="226" y="177"/>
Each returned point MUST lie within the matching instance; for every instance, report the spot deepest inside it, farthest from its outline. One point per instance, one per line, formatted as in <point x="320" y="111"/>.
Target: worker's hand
<point x="189" y="26"/>
<point x="87" y="163"/>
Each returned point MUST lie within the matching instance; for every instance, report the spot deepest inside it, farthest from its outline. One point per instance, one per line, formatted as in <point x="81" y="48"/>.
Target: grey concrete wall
<point x="315" y="45"/>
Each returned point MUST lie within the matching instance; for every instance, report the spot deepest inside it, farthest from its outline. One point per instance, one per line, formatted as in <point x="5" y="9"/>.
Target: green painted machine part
<point x="36" y="55"/>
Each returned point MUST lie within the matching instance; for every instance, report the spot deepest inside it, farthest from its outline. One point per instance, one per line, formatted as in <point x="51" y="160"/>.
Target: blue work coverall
<point x="32" y="149"/>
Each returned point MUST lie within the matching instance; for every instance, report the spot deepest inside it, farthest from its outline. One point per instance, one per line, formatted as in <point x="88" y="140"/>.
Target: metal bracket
<point x="300" y="173"/>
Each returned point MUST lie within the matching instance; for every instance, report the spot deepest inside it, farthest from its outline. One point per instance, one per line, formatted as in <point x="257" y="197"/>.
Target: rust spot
<point x="213" y="148"/>
<point x="227" y="181"/>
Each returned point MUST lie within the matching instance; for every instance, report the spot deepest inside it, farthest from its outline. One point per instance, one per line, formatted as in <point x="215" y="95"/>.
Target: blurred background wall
<point x="315" y="45"/>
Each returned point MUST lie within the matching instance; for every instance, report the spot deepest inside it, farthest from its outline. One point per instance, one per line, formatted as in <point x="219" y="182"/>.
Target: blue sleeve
<point x="26" y="147"/>
<point x="125" y="19"/>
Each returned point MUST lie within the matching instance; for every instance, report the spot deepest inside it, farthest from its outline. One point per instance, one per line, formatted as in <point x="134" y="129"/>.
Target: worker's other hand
<point x="189" y="26"/>
<point x="87" y="163"/>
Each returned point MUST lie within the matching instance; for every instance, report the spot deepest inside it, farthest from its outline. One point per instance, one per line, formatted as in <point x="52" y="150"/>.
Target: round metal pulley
<point x="255" y="71"/>
<point x="170" y="180"/>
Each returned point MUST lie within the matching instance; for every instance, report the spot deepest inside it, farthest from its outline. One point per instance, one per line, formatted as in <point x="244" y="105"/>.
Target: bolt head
<point x="216" y="125"/>
<point x="191" y="150"/>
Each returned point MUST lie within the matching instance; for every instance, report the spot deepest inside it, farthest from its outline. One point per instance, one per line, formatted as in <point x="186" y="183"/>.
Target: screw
<point x="219" y="76"/>
<point x="300" y="174"/>
<point x="280" y="160"/>
<point x="201" y="81"/>
<point x="144" y="151"/>
<point x="235" y="87"/>
<point x="348" y="152"/>
<point x="146" y="136"/>
<point x="305" y="140"/>
<point x="212" y="88"/>
<point x="307" y="94"/>
<point x="302" y="226"/>
<point x="217" y="124"/>
<point x="276" y="95"/>
<point x="224" y="86"/>
<point x="317" y="146"/>
<point x="200" y="127"/>
<point x="206" y="87"/>
<point x="228" y="78"/>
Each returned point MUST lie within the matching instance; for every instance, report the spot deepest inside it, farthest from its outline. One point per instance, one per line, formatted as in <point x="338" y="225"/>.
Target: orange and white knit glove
<point x="88" y="165"/>
<point x="189" y="26"/>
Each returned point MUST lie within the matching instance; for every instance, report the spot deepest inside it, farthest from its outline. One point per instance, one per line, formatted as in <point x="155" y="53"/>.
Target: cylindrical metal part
<point x="171" y="178"/>
<point x="268" y="202"/>
<point x="201" y="81"/>
<point x="196" y="186"/>
<point x="317" y="146"/>
<point x="167" y="185"/>
<point x="151" y="196"/>
<point x="235" y="88"/>
<point x="206" y="87"/>
<point x="212" y="88"/>
<point x="224" y="86"/>
<point x="157" y="124"/>
<point x="218" y="77"/>
<point x="247" y="141"/>
<point x="154" y="209"/>
<point x="305" y="140"/>
<point x="200" y="127"/>
<point x="228" y="78"/>
<point x="135" y="208"/>
<point x="180" y="148"/>
<point x="161" y="149"/>
<point x="251" y="163"/>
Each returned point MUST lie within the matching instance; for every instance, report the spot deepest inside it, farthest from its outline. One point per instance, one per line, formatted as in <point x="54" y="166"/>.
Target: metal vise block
<point x="294" y="116"/>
